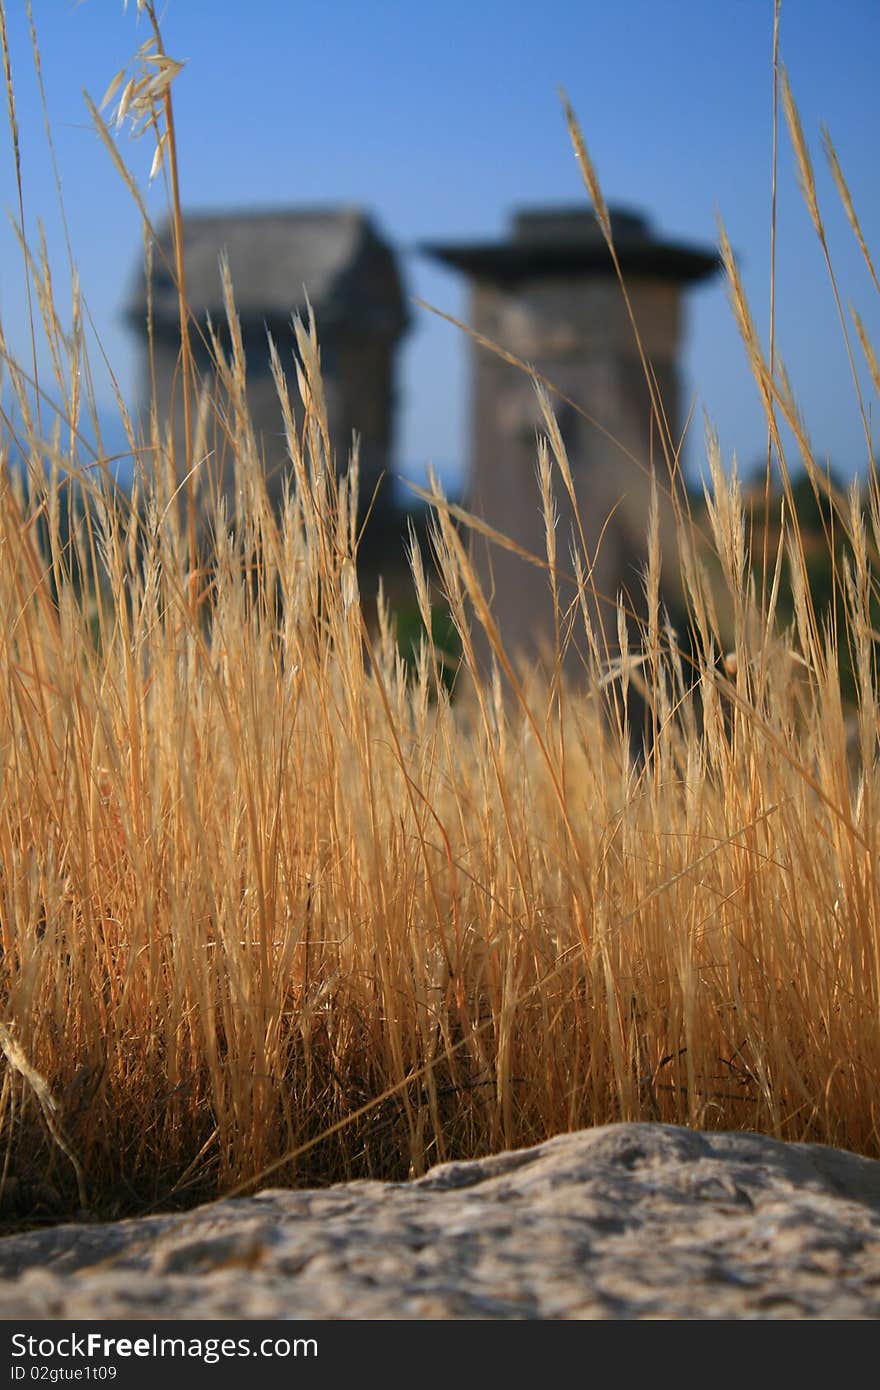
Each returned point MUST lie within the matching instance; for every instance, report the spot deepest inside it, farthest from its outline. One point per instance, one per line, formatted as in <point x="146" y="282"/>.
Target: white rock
<point x="624" y="1221"/>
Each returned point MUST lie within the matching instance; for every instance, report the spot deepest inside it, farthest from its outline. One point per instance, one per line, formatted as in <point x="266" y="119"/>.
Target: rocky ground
<point x="624" y="1221"/>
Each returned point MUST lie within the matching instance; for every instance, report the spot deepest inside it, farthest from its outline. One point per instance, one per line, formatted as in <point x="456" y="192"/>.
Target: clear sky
<point x="442" y="117"/>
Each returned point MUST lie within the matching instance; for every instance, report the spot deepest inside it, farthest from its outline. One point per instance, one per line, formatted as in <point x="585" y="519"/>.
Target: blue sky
<point x="442" y="117"/>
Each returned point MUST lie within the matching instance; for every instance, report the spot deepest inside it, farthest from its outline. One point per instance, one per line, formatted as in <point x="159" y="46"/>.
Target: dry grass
<point x="269" y="905"/>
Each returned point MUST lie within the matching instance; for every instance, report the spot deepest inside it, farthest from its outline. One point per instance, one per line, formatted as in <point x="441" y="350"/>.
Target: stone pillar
<point x="577" y="334"/>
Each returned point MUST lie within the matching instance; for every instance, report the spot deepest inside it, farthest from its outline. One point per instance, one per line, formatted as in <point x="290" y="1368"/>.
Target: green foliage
<point x="828" y="551"/>
<point x="444" y="639"/>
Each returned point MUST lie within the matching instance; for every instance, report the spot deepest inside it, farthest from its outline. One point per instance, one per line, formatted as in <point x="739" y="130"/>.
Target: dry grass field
<point x="275" y="906"/>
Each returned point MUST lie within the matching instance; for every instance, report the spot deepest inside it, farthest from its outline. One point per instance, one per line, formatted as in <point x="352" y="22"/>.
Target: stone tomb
<point x="550" y="296"/>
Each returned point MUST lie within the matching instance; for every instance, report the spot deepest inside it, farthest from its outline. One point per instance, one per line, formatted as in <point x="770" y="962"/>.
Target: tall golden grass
<point x="274" y="907"/>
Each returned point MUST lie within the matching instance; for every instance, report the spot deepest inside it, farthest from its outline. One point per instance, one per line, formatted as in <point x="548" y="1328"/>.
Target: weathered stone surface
<point x="623" y="1221"/>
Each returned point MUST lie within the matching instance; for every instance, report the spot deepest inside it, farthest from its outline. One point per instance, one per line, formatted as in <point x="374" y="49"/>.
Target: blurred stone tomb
<point x="550" y="296"/>
<point x="276" y="258"/>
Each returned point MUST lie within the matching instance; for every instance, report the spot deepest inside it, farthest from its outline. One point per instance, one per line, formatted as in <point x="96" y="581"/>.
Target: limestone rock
<point x="623" y="1221"/>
